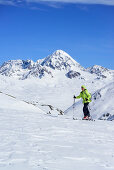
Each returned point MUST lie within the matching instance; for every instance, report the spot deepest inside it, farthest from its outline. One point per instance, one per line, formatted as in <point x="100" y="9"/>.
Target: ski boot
<point x="86" y="118"/>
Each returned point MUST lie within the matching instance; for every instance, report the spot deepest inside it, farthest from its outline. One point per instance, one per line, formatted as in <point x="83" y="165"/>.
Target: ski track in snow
<point x="31" y="140"/>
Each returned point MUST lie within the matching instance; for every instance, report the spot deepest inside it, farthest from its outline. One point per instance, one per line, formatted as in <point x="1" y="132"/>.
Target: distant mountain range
<point x="51" y="66"/>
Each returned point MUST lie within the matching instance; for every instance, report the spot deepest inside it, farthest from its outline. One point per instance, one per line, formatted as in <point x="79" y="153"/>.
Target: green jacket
<point x="85" y="95"/>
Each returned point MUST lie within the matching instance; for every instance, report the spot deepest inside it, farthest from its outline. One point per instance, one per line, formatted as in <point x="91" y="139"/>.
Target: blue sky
<point x="33" y="29"/>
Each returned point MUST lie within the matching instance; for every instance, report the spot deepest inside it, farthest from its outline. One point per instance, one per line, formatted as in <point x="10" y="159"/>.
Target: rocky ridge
<point x="57" y="62"/>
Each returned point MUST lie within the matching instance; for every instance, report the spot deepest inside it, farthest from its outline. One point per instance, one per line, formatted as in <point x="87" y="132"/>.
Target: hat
<point x="83" y="87"/>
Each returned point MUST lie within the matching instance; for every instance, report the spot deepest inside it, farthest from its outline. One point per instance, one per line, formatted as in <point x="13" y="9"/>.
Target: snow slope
<point x="101" y="105"/>
<point x="32" y="140"/>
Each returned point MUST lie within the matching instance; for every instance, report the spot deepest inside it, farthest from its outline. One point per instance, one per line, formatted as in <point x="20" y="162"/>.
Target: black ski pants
<point x="86" y="110"/>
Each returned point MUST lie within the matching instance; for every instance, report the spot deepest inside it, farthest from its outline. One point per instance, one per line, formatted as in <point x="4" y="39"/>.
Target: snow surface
<point x="32" y="139"/>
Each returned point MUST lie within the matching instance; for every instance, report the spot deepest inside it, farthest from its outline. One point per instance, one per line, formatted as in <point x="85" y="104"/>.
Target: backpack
<point x="90" y="95"/>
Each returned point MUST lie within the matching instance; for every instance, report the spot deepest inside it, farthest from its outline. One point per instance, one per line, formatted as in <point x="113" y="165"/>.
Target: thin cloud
<point x="55" y="2"/>
<point x="82" y="7"/>
<point x="7" y="2"/>
<point x="104" y="2"/>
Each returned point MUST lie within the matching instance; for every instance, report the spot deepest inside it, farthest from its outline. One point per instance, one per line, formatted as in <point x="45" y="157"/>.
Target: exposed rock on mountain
<point x="73" y="74"/>
<point x="100" y="71"/>
<point x="38" y="72"/>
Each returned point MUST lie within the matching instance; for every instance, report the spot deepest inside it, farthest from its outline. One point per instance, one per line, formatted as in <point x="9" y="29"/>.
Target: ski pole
<point x="73" y="108"/>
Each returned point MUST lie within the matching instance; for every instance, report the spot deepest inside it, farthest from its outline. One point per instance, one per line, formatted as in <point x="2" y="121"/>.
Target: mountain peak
<point x="60" y="60"/>
<point x="100" y="71"/>
<point x="63" y="54"/>
<point x="16" y="68"/>
<point x="59" y="52"/>
<point x="97" y="69"/>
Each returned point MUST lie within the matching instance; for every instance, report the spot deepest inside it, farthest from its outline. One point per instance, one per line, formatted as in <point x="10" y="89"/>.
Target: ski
<point x="84" y="119"/>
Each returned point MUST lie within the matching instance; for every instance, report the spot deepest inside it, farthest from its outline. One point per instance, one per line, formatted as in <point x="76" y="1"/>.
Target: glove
<point x="74" y="97"/>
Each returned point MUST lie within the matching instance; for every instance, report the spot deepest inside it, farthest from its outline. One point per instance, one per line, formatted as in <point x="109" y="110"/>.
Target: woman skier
<point x="86" y="96"/>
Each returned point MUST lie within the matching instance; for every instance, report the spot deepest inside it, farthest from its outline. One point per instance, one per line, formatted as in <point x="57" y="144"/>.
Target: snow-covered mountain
<point x="58" y="65"/>
<point x="16" y="68"/>
<point x="101" y="71"/>
<point x="22" y="69"/>
<point x="58" y="61"/>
